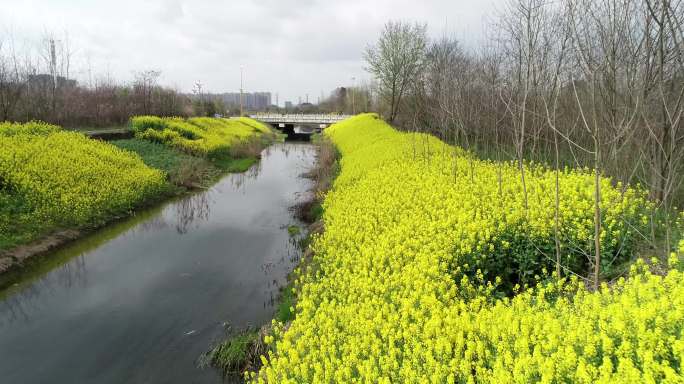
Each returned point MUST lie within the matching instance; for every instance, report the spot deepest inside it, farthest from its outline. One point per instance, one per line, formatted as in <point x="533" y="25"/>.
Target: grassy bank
<point x="203" y="136"/>
<point x="237" y="354"/>
<point x="182" y="170"/>
<point x="55" y="184"/>
<point x="420" y="276"/>
<point x="231" y="145"/>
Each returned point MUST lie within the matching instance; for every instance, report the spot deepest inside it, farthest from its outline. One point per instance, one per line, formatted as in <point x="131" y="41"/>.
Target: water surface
<point x="141" y="300"/>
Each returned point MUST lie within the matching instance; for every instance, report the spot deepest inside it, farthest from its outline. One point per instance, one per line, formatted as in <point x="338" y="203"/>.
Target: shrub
<point x="143" y="123"/>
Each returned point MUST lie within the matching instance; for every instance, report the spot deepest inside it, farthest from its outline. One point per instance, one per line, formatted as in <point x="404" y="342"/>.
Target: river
<point x="140" y="300"/>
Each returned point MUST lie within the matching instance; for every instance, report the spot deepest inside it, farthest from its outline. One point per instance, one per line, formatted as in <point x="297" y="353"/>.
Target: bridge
<point x="300" y="124"/>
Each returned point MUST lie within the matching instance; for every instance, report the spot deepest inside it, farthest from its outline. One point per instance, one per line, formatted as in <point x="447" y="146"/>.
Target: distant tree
<point x="144" y="85"/>
<point x="11" y="84"/>
<point x="396" y="59"/>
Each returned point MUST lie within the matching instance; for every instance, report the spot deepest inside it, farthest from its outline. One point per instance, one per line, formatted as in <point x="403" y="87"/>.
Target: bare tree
<point x="11" y="83"/>
<point x="396" y="60"/>
<point x="589" y="83"/>
<point x="37" y="85"/>
<point x="145" y="83"/>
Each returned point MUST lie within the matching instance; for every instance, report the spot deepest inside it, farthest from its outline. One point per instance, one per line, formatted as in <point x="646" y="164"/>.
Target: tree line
<point x="589" y="83"/>
<point x="41" y="86"/>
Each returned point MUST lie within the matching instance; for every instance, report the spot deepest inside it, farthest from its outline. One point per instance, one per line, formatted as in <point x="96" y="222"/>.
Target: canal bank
<point x="141" y="301"/>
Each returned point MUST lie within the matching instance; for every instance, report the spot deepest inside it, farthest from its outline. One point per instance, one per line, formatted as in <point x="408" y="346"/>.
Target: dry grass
<point x="323" y="174"/>
<point x="326" y="167"/>
<point x="252" y="146"/>
<point x="192" y="173"/>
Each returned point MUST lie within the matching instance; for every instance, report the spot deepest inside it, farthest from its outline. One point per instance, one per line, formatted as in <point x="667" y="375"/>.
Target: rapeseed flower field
<point x="421" y="275"/>
<point x="200" y="136"/>
<point x="51" y="178"/>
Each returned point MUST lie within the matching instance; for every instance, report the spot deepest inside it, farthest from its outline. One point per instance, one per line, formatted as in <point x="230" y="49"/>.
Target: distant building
<point x="44" y="80"/>
<point x="254" y="101"/>
<point x="306" y="108"/>
<point x="288" y="105"/>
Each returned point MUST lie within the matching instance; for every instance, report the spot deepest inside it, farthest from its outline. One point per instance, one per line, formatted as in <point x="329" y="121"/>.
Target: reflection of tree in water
<point x="253" y="171"/>
<point x="193" y="209"/>
<point x="156" y="223"/>
<point x="238" y="181"/>
<point x="73" y="273"/>
<point x="267" y="151"/>
<point x="19" y="306"/>
<point x="304" y="153"/>
<point x="25" y="301"/>
<point x="277" y="269"/>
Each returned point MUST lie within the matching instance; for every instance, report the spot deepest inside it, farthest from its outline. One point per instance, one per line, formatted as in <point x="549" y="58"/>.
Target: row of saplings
<point x="434" y="268"/>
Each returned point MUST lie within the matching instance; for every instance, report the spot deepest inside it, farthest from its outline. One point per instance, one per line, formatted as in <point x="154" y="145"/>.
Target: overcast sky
<point x="285" y="46"/>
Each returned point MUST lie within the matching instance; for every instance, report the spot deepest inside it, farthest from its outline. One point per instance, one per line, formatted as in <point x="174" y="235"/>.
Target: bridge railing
<point x="299" y="118"/>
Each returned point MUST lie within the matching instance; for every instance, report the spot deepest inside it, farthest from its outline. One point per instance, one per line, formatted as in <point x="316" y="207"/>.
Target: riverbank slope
<point x="431" y="269"/>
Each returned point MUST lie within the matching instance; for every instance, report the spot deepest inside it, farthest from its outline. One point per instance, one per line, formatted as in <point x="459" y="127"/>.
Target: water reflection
<point x="239" y="181"/>
<point x="185" y="213"/>
<point x="20" y="305"/>
<point x="290" y="255"/>
<point x="192" y="210"/>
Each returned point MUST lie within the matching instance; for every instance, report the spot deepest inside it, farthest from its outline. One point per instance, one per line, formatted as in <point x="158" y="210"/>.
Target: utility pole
<point x="241" y="70"/>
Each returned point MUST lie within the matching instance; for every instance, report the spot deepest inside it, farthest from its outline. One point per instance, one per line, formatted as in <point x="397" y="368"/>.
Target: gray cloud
<point x="286" y="46"/>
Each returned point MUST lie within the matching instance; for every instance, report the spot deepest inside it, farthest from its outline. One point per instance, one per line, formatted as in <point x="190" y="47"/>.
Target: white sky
<point x="285" y="46"/>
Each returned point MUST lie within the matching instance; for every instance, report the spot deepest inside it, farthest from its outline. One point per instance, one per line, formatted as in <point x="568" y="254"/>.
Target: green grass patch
<point x="234" y="165"/>
<point x="293" y="230"/>
<point x="155" y="155"/>
<point x="284" y="312"/>
<point x="15" y="224"/>
<point x="182" y="169"/>
<point x="316" y="211"/>
<point x="235" y="354"/>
